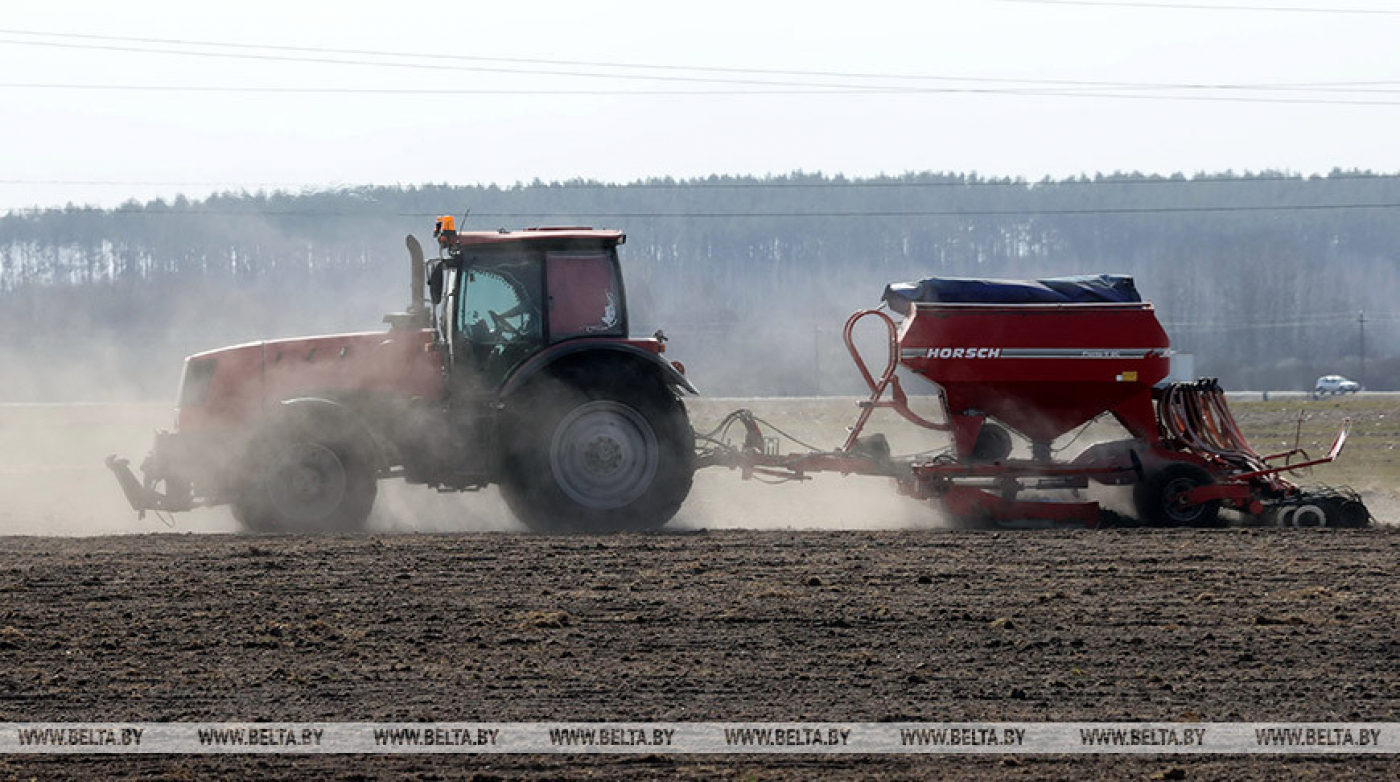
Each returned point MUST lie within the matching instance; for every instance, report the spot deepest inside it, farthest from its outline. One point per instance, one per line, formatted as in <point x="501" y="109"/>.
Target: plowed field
<point x="869" y="612"/>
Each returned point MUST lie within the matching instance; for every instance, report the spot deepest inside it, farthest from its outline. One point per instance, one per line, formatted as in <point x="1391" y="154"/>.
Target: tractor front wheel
<point x="304" y="478"/>
<point x="592" y="454"/>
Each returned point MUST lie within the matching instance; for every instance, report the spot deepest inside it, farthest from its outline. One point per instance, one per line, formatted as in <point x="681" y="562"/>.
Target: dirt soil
<point x="911" y="625"/>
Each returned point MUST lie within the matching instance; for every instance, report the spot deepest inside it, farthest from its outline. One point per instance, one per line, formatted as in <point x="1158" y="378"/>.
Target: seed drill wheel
<point x="306" y="474"/>
<point x="1325" y="511"/>
<point x="597" y="452"/>
<point x="1156" y="497"/>
<point x="1312" y="514"/>
<point x="1352" y="514"/>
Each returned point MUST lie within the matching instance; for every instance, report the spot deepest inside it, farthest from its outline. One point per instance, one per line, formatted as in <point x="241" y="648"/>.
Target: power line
<point x="427" y="66"/>
<point x="1049" y="87"/>
<point x="1203" y="7"/>
<point x="824" y="74"/>
<point x="823" y="91"/>
<point x="939" y="213"/>
<point x="433" y="92"/>
<point x="874" y="92"/>
<point x="387" y="91"/>
<point x="578" y="63"/>
<point x="806" y="86"/>
<point x="133" y="211"/>
<point x="1298" y="320"/>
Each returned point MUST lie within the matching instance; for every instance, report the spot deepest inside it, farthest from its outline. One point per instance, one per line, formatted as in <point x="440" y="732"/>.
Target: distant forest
<point x="1264" y="277"/>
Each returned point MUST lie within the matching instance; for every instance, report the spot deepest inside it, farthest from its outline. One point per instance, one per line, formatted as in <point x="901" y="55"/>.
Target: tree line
<point x="1263" y="277"/>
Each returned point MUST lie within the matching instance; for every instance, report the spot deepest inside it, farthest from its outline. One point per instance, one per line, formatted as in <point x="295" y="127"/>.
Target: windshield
<point x="498" y="319"/>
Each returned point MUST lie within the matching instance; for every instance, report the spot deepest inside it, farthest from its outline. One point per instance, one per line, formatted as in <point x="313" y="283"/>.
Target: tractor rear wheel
<point x="594" y="452"/>
<point x="302" y="476"/>
<point x="1156" y="498"/>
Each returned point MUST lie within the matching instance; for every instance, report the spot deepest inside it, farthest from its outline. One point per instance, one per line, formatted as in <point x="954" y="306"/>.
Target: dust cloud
<point x="721" y="500"/>
<point x="1384" y="505"/>
<point x="52" y="477"/>
<point x="407" y="508"/>
<point x="70" y="403"/>
<point x="67" y="402"/>
<point x="53" y="482"/>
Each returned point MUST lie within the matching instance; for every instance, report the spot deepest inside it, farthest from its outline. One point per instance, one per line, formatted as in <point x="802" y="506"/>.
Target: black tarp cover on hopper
<point x="1080" y="289"/>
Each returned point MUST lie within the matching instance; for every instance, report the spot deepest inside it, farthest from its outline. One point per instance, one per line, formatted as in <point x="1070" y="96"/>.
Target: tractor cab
<point x="510" y="294"/>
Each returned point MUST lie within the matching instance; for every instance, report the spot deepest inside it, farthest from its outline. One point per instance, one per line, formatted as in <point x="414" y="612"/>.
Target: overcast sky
<point x="203" y="96"/>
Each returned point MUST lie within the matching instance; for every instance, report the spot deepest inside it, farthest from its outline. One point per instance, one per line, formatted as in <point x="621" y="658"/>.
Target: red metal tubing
<point x="900" y="402"/>
<point x="1331" y="456"/>
<point x="893" y="345"/>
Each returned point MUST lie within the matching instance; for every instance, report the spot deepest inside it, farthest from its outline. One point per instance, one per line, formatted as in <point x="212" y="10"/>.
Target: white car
<point x="1335" y="384"/>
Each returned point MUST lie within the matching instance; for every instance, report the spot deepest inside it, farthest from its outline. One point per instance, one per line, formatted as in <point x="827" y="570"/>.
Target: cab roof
<point x="606" y="237"/>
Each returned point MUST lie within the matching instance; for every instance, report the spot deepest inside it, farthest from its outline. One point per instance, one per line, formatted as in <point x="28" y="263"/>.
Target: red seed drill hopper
<point x="1042" y="358"/>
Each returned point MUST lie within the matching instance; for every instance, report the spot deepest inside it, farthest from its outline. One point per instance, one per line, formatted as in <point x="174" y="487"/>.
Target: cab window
<point x="584" y="297"/>
<point x="499" y="320"/>
<point x="496" y="308"/>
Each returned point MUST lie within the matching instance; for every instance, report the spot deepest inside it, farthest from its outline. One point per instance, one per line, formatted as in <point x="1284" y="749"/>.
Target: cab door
<point x="498" y="320"/>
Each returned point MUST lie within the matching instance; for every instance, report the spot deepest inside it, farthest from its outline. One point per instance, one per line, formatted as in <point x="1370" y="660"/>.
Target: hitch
<point x="143" y="496"/>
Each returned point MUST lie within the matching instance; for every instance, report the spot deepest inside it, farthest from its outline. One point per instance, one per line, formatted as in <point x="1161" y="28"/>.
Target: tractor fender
<point x="325" y="415"/>
<point x="553" y="354"/>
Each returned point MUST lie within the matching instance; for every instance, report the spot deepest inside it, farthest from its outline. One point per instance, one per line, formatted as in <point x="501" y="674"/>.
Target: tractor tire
<point x="305" y="476"/>
<point x="1155" y="498"/>
<point x="588" y="451"/>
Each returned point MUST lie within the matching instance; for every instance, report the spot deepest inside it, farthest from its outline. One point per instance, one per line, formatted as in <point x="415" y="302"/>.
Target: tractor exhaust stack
<point x="418" y="276"/>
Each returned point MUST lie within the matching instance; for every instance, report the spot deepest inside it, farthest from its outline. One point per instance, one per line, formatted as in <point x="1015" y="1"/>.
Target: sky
<point x="102" y="102"/>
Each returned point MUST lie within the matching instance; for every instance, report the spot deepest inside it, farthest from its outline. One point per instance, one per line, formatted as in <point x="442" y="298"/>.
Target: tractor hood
<point x="230" y="386"/>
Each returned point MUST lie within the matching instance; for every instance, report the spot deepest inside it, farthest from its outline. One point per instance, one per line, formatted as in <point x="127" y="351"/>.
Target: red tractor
<point x="513" y="366"/>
